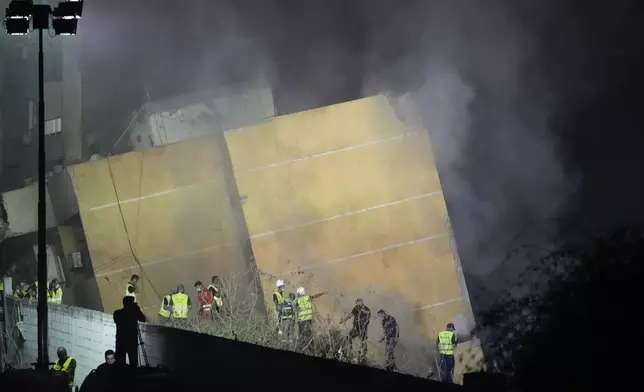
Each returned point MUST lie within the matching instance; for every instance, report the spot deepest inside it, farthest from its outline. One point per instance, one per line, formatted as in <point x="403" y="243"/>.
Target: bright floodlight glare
<point x="64" y="26"/>
<point x="17" y="26"/>
<point x="69" y="9"/>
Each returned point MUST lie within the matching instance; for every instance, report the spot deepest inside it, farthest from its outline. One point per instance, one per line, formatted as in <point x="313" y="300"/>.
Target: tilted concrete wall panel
<point x="347" y="199"/>
<point x="175" y="209"/>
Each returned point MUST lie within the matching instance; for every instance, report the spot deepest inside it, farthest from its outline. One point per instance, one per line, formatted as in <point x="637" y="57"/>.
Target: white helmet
<point x="279" y="283"/>
<point x="300" y="291"/>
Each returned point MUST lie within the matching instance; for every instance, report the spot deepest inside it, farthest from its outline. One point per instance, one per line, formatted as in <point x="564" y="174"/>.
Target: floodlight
<point x="64" y="26"/>
<point x="19" y="9"/>
<point x="16" y="20"/>
<point x="17" y="26"/>
<point x="69" y="9"/>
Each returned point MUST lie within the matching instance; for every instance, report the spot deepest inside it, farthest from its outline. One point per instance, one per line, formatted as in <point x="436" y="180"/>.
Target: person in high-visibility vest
<point x="180" y="305"/>
<point x="32" y="291"/>
<point x="445" y="343"/>
<point x="287" y="318"/>
<point x="304" y="307"/>
<point x="164" y="311"/>
<point x="65" y="365"/>
<point x="218" y="302"/>
<point x="278" y="299"/>
<point x="20" y="290"/>
<point x="54" y="292"/>
<point x="215" y="285"/>
<point x="131" y="288"/>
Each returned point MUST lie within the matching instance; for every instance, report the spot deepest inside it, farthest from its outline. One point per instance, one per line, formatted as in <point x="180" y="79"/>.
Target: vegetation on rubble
<point x="575" y="320"/>
<point x="243" y="322"/>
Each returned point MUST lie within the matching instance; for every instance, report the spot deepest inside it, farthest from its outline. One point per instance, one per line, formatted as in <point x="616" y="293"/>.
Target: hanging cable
<point x="127" y="234"/>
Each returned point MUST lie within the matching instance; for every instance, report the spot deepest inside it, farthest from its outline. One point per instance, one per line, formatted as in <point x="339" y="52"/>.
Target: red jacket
<point x="205" y="299"/>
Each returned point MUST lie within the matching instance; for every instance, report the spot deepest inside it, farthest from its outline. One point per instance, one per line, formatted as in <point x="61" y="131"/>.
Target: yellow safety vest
<point x="127" y="291"/>
<point x="180" y="305"/>
<point x="165" y="312"/>
<point x="280" y="297"/>
<point x="212" y="286"/>
<point x="36" y="296"/>
<point x="304" y="308"/>
<point x="65" y="369"/>
<point x="55" y="297"/>
<point x="445" y="345"/>
<point x="219" y="302"/>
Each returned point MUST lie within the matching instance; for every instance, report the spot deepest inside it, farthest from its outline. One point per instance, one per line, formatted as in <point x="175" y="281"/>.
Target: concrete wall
<point x="86" y="334"/>
<point x="200" y="114"/>
<point x="176" y="223"/>
<point x="191" y="357"/>
<point x="21" y="206"/>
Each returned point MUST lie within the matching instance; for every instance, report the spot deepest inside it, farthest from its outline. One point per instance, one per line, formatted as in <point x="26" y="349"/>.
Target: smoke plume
<point x="477" y="89"/>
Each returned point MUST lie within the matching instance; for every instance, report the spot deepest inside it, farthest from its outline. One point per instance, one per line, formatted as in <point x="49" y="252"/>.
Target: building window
<point x="53" y="126"/>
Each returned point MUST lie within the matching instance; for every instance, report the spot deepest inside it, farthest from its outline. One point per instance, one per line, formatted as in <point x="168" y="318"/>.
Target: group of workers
<point x="30" y="291"/>
<point x="175" y="307"/>
<point x="297" y="309"/>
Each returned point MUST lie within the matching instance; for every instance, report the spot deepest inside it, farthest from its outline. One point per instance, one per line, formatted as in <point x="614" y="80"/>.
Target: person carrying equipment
<point x="127" y="331"/>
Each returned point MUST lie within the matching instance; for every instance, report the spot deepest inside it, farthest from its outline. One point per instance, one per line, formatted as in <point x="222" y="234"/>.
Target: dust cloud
<point x="478" y="90"/>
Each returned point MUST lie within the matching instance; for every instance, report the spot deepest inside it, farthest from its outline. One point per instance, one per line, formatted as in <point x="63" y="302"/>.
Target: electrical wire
<point x="127" y="234"/>
<point x="127" y="128"/>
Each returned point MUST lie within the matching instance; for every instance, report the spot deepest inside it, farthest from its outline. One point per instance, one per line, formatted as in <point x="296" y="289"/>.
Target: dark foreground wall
<point x="196" y="360"/>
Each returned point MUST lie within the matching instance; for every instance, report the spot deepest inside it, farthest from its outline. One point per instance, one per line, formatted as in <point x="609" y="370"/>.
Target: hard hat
<point x="279" y="283"/>
<point x="300" y="291"/>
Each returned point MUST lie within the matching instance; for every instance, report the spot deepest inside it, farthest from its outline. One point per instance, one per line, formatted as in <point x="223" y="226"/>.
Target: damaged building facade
<point x="344" y="199"/>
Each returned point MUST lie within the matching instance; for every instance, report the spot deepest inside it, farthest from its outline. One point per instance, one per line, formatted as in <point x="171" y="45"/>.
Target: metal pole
<point x="43" y="348"/>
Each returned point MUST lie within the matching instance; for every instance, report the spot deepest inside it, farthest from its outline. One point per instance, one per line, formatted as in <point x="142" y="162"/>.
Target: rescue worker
<point x="180" y="306"/>
<point x="287" y="318"/>
<point x="65" y="365"/>
<point x="130" y="288"/>
<point x="20" y="290"/>
<point x="278" y="299"/>
<point x="34" y="295"/>
<point x="361" y="317"/>
<point x="127" y="331"/>
<point x="445" y="344"/>
<point x="304" y="307"/>
<point x="205" y="300"/>
<point x="55" y="292"/>
<point x="213" y="287"/>
<point x="218" y="301"/>
<point x="391" y="334"/>
<point x="32" y="292"/>
<point x="164" y="311"/>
